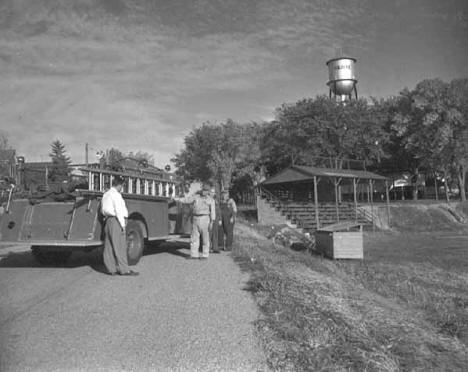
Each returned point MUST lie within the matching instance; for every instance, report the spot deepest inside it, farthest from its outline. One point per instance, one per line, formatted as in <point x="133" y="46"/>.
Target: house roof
<point x="37" y="164"/>
<point x="306" y="173"/>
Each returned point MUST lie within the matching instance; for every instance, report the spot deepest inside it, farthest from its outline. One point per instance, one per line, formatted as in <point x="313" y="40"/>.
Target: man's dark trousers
<point x="115" y="247"/>
<point x="227" y="230"/>
<point x="214" y="236"/>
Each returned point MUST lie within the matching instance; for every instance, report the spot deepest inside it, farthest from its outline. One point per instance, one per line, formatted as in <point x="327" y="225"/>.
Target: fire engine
<point x="61" y="222"/>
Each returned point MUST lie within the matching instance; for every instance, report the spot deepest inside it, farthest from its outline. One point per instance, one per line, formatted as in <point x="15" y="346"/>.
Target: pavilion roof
<point x="298" y="173"/>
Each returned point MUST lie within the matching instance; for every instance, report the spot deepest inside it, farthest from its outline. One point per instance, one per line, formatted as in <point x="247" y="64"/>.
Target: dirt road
<point x="178" y="315"/>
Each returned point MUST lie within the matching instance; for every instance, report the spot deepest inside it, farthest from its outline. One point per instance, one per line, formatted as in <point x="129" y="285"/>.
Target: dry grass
<point x="402" y="308"/>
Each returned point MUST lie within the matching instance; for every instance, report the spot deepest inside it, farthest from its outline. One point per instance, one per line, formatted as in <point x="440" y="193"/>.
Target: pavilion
<point x="299" y="186"/>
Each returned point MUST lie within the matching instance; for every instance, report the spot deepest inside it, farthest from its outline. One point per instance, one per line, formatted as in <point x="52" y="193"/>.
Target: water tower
<point x="342" y="78"/>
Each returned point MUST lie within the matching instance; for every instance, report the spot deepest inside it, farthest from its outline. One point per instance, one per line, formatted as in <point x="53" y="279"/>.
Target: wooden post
<point x="47" y="177"/>
<point x="138" y="189"/>
<point x="336" y="199"/>
<point x="355" y="199"/>
<point x="387" y="193"/>
<point x="90" y="180"/>
<point x="101" y="182"/>
<point x="371" y="186"/>
<point x="317" y="221"/>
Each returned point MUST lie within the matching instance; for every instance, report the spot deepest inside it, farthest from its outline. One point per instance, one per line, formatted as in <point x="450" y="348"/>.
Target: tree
<point x="116" y="160"/>
<point x="192" y="161"/>
<point x="214" y="153"/>
<point x="420" y="129"/>
<point x="60" y="162"/>
<point x="458" y="98"/>
<point x="249" y="167"/>
<point x="320" y="127"/>
<point x="4" y="141"/>
<point x="113" y="159"/>
<point x="430" y="129"/>
<point x="5" y="161"/>
<point x="141" y="156"/>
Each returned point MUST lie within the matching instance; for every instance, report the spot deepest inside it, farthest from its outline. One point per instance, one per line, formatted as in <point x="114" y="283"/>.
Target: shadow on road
<point x="92" y="259"/>
<point x="172" y="247"/>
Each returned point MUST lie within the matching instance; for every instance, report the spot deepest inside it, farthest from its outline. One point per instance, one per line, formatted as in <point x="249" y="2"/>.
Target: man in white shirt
<point x="115" y="213"/>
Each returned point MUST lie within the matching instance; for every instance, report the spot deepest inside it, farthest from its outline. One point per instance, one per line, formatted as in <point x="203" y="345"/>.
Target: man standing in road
<point x="115" y="213"/>
<point x="228" y="217"/>
<point x="203" y="213"/>
<point x="216" y="224"/>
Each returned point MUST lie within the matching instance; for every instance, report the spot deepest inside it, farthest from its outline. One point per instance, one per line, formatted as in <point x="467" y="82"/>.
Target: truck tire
<point x="135" y="241"/>
<point x="50" y="257"/>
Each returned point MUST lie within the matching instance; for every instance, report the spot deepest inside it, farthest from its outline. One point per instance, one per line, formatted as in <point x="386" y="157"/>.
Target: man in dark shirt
<point x="228" y="217"/>
<point x="216" y="224"/>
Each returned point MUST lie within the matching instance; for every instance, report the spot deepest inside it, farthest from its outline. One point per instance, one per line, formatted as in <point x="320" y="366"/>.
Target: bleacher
<point x="303" y="214"/>
<point x="294" y="191"/>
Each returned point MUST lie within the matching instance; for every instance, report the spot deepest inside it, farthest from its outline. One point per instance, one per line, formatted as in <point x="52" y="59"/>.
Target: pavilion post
<point x="317" y="220"/>
<point x="337" y="182"/>
<point x="387" y="193"/>
<point x="371" y="192"/>
<point x="355" y="200"/>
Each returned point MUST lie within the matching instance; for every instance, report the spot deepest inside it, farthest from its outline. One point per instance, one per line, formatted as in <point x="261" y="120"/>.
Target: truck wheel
<point x="49" y="257"/>
<point x="135" y="242"/>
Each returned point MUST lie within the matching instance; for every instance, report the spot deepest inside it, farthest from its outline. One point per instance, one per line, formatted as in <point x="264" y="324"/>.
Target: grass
<point x="404" y="307"/>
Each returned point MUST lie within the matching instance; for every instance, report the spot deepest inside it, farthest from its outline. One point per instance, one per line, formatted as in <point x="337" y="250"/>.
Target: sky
<point x="139" y="75"/>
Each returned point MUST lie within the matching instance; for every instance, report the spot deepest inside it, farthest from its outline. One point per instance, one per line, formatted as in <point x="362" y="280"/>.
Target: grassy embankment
<point x="404" y="307"/>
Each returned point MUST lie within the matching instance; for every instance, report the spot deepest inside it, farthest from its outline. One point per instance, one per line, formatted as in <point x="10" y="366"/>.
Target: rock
<point x="292" y="239"/>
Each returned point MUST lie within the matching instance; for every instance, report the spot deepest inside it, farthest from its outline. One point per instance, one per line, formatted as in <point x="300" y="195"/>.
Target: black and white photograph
<point x="233" y="185"/>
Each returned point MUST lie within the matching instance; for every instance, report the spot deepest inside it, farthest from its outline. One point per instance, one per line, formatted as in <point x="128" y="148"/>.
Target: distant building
<point x="35" y="175"/>
<point x="8" y="164"/>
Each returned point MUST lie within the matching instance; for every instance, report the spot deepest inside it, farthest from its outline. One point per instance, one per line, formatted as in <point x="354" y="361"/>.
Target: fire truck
<point x="60" y="222"/>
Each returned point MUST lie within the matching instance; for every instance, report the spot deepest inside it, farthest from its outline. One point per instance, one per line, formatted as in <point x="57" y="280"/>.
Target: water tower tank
<point x="342" y="78"/>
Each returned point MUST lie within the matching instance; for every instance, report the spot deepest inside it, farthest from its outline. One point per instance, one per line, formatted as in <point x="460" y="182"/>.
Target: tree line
<point x="419" y="131"/>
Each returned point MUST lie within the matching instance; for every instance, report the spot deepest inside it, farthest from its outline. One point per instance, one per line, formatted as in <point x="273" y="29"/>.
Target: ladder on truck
<point x="141" y="183"/>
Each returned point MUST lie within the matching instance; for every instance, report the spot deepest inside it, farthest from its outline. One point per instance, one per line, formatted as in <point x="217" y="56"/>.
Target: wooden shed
<point x="341" y="240"/>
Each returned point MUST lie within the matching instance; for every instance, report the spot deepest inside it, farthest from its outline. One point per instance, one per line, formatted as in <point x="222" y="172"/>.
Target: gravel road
<point x="178" y="315"/>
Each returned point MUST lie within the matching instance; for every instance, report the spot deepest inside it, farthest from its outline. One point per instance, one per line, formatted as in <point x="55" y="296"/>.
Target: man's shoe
<point x="192" y="258"/>
<point x="131" y="273"/>
<point x="216" y="252"/>
<point x="112" y="274"/>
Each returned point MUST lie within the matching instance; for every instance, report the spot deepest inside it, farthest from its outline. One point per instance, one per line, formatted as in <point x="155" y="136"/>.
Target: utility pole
<point x="86" y="154"/>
